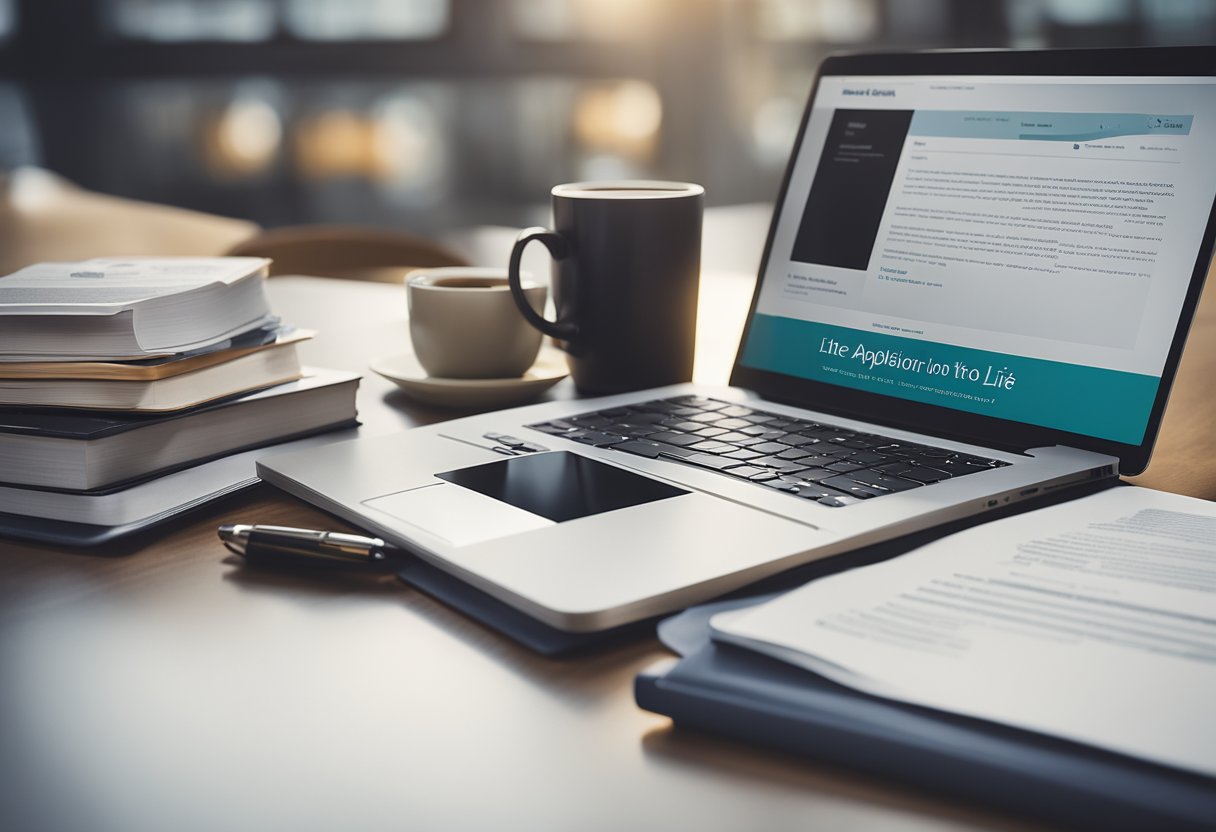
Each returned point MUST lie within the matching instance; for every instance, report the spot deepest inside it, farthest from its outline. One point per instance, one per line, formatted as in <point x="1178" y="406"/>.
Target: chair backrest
<point x="346" y="252"/>
<point x="44" y="217"/>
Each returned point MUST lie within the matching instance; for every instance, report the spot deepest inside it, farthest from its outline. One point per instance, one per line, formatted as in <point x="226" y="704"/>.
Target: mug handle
<point x="559" y="249"/>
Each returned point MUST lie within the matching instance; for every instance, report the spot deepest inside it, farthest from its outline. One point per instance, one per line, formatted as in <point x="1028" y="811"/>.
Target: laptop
<point x="976" y="288"/>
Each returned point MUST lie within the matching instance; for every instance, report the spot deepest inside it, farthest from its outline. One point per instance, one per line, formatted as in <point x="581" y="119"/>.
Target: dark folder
<point x="550" y="641"/>
<point x="733" y="692"/>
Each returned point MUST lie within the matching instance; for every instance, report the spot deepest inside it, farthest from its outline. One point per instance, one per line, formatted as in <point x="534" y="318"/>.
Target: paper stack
<point x="132" y="389"/>
<point x="1089" y="621"/>
<point x="1057" y="663"/>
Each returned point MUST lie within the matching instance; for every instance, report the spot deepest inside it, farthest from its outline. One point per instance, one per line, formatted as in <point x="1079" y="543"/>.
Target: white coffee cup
<point x="464" y="323"/>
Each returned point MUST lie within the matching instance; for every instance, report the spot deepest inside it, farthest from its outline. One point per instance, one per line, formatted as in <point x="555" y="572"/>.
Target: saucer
<point x="405" y="371"/>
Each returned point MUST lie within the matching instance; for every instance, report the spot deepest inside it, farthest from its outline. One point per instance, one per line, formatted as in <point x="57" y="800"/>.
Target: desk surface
<point x="156" y="685"/>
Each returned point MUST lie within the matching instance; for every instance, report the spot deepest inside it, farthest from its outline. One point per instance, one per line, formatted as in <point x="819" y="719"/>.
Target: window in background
<point x="192" y="20"/>
<point x="616" y="128"/>
<point x="396" y="139"/>
<point x="178" y="132"/>
<point x="413" y="146"/>
<point x="532" y="148"/>
<point x="918" y="21"/>
<point x="598" y="20"/>
<point x="338" y="20"/>
<point x="8" y="19"/>
<point x="375" y="152"/>
<point x="774" y="126"/>
<point x="242" y="138"/>
<point x="337" y="142"/>
<point x="790" y="37"/>
<point x="18" y="140"/>
<point x="1088" y="12"/>
<point x="1075" y="23"/>
<point x="1097" y="23"/>
<point x="1025" y="21"/>
<point x="1181" y="21"/>
<point x="831" y="21"/>
<point x="290" y="111"/>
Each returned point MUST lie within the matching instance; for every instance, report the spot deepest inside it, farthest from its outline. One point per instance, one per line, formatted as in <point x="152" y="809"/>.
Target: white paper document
<point x="1093" y="620"/>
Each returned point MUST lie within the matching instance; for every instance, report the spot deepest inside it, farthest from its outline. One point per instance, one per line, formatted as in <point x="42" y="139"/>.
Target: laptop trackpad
<point x="519" y="494"/>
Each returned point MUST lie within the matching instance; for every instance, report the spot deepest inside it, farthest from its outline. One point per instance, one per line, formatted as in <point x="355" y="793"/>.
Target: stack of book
<point x="133" y="389"/>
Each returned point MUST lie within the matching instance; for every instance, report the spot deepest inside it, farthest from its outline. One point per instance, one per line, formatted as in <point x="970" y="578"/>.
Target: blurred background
<point x="436" y="114"/>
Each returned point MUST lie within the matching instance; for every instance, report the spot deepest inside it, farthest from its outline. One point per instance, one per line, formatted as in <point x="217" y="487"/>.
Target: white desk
<point x="163" y="688"/>
<point x="158" y="687"/>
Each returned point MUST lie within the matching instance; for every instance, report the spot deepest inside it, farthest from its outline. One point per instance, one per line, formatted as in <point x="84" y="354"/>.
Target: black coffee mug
<point x="627" y="265"/>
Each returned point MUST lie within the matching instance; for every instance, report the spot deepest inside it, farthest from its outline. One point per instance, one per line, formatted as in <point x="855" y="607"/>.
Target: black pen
<point x="286" y="546"/>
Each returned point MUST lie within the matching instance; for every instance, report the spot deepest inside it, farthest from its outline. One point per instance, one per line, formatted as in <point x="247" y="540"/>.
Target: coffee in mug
<point x="464" y="322"/>
<point x="627" y="265"/>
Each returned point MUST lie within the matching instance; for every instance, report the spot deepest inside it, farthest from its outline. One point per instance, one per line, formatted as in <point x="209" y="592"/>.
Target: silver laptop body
<point x="907" y="250"/>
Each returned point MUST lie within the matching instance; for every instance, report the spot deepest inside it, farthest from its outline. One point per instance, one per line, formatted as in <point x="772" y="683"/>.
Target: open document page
<point x="1093" y="620"/>
<point x="104" y="286"/>
<point x="129" y="308"/>
<point x="992" y="245"/>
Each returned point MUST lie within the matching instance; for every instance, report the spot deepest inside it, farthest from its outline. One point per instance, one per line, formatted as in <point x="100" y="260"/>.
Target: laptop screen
<point x="1018" y="247"/>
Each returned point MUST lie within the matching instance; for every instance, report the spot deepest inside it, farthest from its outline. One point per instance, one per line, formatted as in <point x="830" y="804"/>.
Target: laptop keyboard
<point x="831" y="465"/>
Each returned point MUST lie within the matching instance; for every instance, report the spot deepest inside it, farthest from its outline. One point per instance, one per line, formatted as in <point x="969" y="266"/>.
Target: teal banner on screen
<point x="1058" y="127"/>
<point x="1107" y="404"/>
